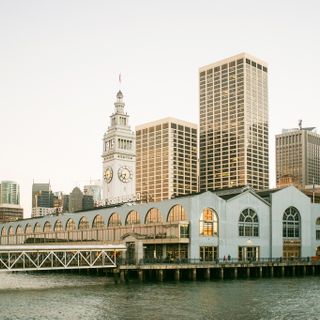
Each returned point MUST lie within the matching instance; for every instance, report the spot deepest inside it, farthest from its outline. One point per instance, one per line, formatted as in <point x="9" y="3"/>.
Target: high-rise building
<point x="42" y="199"/>
<point x="9" y="192"/>
<point x="10" y="209"/>
<point x="93" y="189"/>
<point x="119" y="157"/>
<point x="298" y="157"/>
<point x="75" y="200"/>
<point x="166" y="163"/>
<point x="233" y="129"/>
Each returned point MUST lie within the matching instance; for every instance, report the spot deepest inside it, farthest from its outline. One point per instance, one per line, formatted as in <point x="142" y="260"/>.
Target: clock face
<point x="108" y="174"/>
<point x="125" y="174"/>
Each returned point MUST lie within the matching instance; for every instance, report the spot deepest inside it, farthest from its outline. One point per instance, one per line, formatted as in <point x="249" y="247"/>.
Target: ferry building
<point x="238" y="223"/>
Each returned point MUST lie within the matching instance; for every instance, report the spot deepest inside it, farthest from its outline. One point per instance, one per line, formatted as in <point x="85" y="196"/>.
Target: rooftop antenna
<point x="300" y="124"/>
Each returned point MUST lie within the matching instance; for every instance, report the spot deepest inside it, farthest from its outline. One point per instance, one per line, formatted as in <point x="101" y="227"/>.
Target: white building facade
<point x="119" y="160"/>
<point x="236" y="223"/>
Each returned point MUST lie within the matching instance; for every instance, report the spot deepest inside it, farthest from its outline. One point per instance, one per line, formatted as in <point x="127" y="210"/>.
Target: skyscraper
<point x="9" y="192"/>
<point x="234" y="124"/>
<point x="166" y="159"/>
<point x="119" y="157"/>
<point x="298" y="157"/>
<point x="42" y="199"/>
<point x="10" y="209"/>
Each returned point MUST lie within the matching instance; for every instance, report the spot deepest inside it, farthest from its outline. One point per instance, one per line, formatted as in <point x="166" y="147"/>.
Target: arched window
<point x="19" y="230"/>
<point x="133" y="217"/>
<point x="11" y="231"/>
<point x="47" y="227"/>
<point x="291" y="223"/>
<point x="114" y="220"/>
<point x="70" y="226"/>
<point x="248" y="223"/>
<point x="153" y="216"/>
<point x="58" y="226"/>
<point x="318" y="229"/>
<point x="28" y="229"/>
<point x="3" y="231"/>
<point x="37" y="228"/>
<point x="208" y="223"/>
<point x="177" y="213"/>
<point x="83" y="224"/>
<point x="98" y="222"/>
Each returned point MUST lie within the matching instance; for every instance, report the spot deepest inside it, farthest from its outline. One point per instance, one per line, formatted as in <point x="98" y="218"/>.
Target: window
<point x="114" y="220"/>
<point x="318" y="229"/>
<point x="177" y="213"/>
<point x="248" y="223"/>
<point x="98" y="222"/>
<point x="83" y="224"/>
<point x="208" y="223"/>
<point x="133" y="218"/>
<point x="153" y="216"/>
<point x="208" y="253"/>
<point x="291" y="223"/>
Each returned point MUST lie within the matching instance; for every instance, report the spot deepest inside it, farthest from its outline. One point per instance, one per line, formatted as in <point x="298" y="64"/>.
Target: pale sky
<point x="60" y="60"/>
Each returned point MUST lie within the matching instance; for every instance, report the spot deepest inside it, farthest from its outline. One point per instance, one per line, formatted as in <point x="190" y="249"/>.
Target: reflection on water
<point x="71" y="296"/>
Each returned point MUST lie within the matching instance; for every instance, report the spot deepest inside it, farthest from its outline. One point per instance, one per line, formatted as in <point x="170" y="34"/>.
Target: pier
<point x="197" y="270"/>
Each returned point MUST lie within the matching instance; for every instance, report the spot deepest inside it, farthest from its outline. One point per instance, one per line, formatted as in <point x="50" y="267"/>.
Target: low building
<point x="10" y="212"/>
<point x="238" y="222"/>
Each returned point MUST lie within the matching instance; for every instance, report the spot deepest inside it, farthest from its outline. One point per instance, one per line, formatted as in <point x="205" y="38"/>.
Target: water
<point x="71" y="296"/>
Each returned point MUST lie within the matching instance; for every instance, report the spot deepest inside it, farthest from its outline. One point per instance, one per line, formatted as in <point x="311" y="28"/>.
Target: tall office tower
<point x="10" y="209"/>
<point x="297" y="157"/>
<point x="75" y="200"/>
<point x="9" y="193"/>
<point x="93" y="189"/>
<point x="166" y="159"/>
<point x="234" y="124"/>
<point x="119" y="157"/>
<point x="42" y="199"/>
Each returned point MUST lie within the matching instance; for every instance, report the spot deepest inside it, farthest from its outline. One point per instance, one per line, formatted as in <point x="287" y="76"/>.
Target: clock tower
<point x="119" y="157"/>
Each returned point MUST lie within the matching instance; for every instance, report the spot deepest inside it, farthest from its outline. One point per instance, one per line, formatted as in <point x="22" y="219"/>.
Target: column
<point x="194" y="274"/>
<point x="177" y="275"/>
<point x="140" y="275"/>
<point x="116" y="275"/>
<point x="221" y="273"/>
<point x="160" y="275"/>
<point x="122" y="276"/>
<point x="207" y="274"/>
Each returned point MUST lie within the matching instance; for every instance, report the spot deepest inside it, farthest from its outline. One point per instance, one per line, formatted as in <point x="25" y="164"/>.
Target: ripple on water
<point x="71" y="296"/>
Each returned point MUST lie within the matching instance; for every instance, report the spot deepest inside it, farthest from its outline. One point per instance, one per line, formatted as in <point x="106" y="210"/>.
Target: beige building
<point x="234" y="124"/>
<point x="166" y="159"/>
<point x="298" y="157"/>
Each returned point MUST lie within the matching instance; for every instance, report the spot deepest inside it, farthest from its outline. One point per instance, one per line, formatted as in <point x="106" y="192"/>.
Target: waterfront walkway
<point x="58" y="257"/>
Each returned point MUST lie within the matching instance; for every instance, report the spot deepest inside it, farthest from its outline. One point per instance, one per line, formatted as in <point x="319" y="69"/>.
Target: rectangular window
<point x="208" y="253"/>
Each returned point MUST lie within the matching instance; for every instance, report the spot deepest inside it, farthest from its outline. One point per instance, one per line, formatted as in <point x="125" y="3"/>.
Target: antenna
<point x="119" y="81"/>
